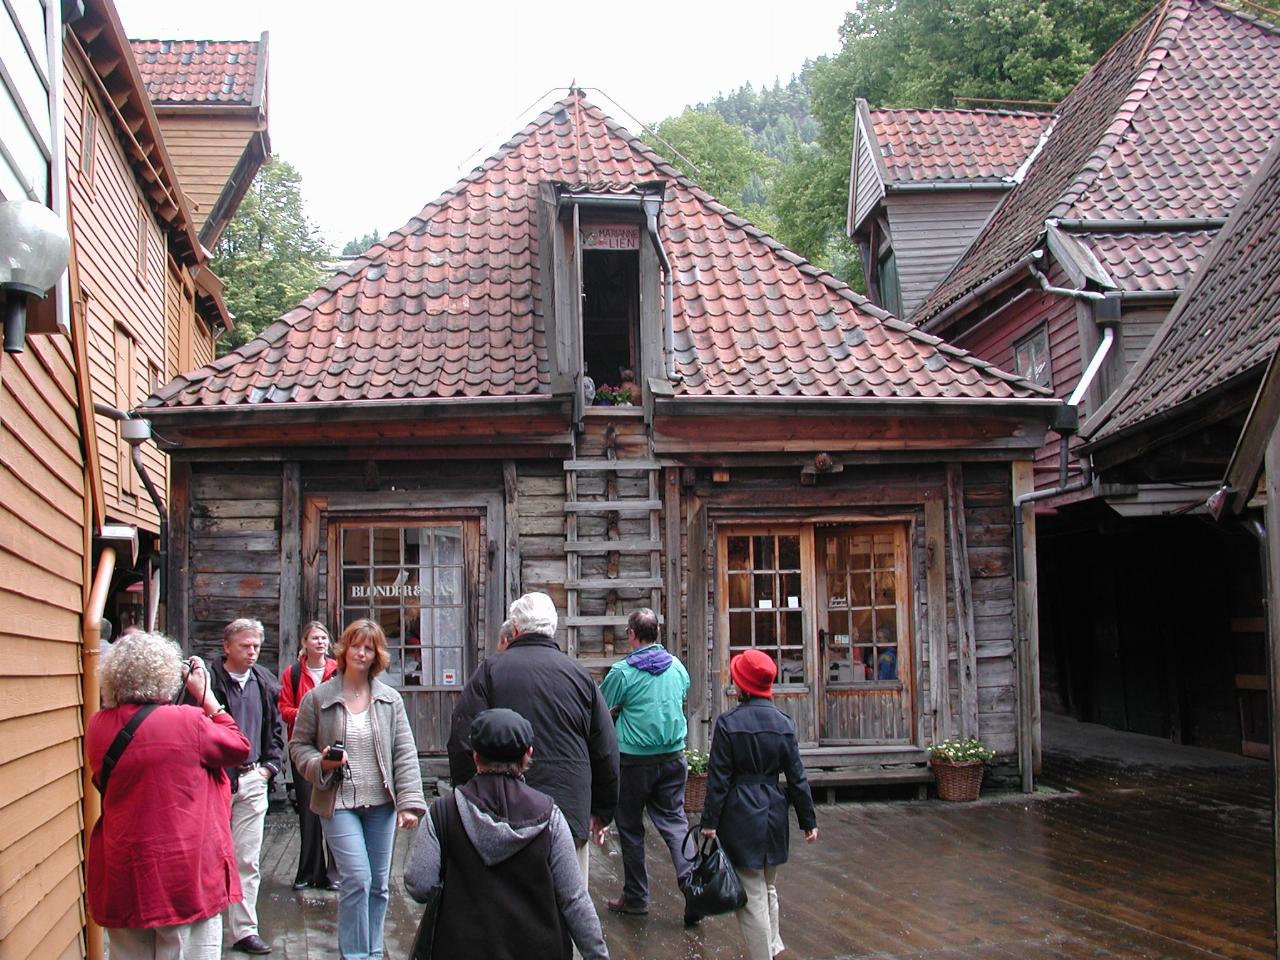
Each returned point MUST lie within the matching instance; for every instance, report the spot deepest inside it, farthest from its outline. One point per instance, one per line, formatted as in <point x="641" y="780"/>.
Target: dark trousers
<point x="312" y="867"/>
<point x="658" y="788"/>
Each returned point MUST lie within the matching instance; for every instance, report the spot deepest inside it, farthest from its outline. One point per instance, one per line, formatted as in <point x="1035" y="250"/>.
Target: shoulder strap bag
<point x="713" y="887"/>
<point x="424" y="939"/>
<point x="122" y="740"/>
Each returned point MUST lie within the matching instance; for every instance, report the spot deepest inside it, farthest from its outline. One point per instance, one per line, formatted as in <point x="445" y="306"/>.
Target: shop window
<point x="1031" y="358"/>
<point x="412" y="580"/>
<point x="862" y="587"/>
<point x="765" y="604"/>
<point x="610" y="301"/>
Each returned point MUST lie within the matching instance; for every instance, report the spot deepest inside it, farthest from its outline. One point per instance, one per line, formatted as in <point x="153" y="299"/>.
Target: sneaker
<point x="620" y="905"/>
<point x="299" y="884"/>
<point x="251" y="944"/>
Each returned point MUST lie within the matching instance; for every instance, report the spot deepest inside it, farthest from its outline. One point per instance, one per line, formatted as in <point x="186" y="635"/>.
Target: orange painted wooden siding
<point x="42" y="557"/>
<point x="206" y="150"/>
<point x="125" y="309"/>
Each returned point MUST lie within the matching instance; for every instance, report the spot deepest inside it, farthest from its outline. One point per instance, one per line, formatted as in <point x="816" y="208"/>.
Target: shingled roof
<point x="1168" y="125"/>
<point x="955" y="145"/>
<point x="201" y="71"/>
<point x="449" y="305"/>
<point x="1225" y="327"/>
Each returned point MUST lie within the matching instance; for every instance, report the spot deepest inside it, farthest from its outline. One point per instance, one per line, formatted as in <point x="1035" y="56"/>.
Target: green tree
<point x="711" y="152"/>
<point x="270" y="255"/>
<point x="358" y="245"/>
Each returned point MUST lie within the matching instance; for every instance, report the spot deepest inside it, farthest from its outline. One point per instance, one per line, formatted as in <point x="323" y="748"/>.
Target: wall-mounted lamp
<point x="34" y="248"/>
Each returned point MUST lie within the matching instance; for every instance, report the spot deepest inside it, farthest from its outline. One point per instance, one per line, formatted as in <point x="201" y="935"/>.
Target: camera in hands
<point x="335" y="751"/>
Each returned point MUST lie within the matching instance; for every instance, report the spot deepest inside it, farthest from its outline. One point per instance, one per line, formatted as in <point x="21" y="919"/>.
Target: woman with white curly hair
<point x="161" y="867"/>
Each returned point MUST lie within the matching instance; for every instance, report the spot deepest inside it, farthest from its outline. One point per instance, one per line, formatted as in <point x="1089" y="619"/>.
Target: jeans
<point x="361" y="841"/>
<point x="658" y="787"/>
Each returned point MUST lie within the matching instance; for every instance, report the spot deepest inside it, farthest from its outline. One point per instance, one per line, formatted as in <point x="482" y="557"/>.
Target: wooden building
<point x="799" y="471"/>
<point x="77" y="528"/>
<point x="1111" y="214"/>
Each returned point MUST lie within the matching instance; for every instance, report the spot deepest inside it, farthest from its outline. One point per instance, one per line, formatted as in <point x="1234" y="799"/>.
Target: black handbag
<point x="424" y="938"/>
<point x="713" y="887"/>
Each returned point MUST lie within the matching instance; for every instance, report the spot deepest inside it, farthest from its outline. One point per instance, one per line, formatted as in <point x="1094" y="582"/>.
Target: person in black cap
<point x="512" y="886"/>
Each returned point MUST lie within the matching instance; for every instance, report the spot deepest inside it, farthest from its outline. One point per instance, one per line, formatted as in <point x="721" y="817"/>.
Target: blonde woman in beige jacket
<point x="353" y="743"/>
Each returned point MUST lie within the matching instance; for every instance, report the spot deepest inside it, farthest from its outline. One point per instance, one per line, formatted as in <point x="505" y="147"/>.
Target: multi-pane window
<point x="862" y="605"/>
<point x="140" y="252"/>
<point x="1031" y="358"/>
<point x="887" y="281"/>
<point x="88" y="139"/>
<point x="765" y="603"/>
<point x="411" y="580"/>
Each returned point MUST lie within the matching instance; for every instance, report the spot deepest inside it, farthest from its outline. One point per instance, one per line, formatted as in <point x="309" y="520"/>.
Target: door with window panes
<point x="411" y="579"/>
<point x="829" y="603"/>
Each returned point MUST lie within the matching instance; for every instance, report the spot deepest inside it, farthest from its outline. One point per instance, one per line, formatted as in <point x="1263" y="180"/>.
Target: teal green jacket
<point x="650" y="687"/>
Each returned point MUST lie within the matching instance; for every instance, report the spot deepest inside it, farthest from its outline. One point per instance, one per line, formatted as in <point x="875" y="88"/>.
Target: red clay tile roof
<point x="1148" y="262"/>
<point x="1226" y="325"/>
<point x="919" y="145"/>
<point x="449" y="305"/>
<point x="199" y="71"/>
<point x="1168" y="124"/>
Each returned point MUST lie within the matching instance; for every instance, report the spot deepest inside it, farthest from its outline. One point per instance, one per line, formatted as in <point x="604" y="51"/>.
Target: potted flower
<point x="958" y="765"/>
<point x="695" y="788"/>
<point x="607" y="396"/>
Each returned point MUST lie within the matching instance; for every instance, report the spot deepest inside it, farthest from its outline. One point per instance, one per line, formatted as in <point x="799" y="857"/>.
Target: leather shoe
<point x="692" y="919"/>
<point x="620" y="905"/>
<point x="326" y="885"/>
<point x="251" y="944"/>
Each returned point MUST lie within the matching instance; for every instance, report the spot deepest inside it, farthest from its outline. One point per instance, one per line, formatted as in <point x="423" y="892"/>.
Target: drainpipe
<point x="91" y="637"/>
<point x="652" y="205"/>
<point x="136" y="431"/>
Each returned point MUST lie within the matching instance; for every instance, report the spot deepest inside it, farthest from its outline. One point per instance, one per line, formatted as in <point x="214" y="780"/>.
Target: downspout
<point x="652" y="205"/>
<point x="135" y="431"/>
<point x="91" y="637"/>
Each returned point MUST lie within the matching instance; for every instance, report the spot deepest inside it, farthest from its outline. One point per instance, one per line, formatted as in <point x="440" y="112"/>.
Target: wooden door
<point x="863" y="654"/>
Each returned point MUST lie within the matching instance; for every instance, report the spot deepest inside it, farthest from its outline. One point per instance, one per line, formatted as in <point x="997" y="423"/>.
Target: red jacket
<point x="161" y="852"/>
<point x="288" y="702"/>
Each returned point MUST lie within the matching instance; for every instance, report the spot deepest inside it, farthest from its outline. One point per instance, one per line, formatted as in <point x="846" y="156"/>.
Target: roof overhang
<point x="788" y="424"/>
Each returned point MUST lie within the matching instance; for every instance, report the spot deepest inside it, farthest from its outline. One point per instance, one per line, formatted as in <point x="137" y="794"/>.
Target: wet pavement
<point x="1132" y="848"/>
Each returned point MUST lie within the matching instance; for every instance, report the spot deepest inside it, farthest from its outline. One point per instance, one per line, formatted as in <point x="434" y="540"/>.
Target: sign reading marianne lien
<point x="611" y="236"/>
<point x="362" y="591"/>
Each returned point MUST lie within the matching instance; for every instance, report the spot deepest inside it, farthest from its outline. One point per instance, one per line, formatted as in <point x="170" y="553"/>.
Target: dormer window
<point x="610" y="299"/>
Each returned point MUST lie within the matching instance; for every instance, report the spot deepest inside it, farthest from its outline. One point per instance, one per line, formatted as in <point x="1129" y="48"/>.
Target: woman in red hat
<point x="746" y="806"/>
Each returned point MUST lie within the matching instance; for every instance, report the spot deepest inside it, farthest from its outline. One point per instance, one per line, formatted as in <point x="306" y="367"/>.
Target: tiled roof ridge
<point x="279" y="329"/>
<point x="825" y="277"/>
<point x="1163" y="34"/>
<point x="133" y="40"/>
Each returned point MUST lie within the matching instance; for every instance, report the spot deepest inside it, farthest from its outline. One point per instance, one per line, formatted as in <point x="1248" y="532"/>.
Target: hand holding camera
<point x="334" y="757"/>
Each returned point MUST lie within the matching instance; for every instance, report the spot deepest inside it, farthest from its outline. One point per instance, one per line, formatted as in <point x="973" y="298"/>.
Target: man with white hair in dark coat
<point x="577" y="759"/>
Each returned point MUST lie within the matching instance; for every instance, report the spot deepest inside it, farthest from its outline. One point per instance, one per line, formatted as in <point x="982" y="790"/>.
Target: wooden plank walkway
<point x="1121" y="857"/>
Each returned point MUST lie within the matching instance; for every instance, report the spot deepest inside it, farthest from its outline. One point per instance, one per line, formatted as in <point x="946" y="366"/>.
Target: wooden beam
<point x="290" y="561"/>
<point x="696" y="658"/>
<point x="671" y="516"/>
<point x="966" y="646"/>
<point x="511" y="503"/>
<point x="1027" y="651"/>
<point x="177" y="607"/>
<point x="1272" y="470"/>
<point x="935" y="536"/>
<point x="313" y="508"/>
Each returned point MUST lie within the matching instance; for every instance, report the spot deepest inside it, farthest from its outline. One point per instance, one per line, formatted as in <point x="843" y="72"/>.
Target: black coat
<point x="575" y="753"/>
<point x="746" y="805"/>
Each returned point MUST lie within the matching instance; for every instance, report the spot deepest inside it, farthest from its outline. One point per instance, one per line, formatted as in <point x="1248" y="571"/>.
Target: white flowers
<point x="957" y="750"/>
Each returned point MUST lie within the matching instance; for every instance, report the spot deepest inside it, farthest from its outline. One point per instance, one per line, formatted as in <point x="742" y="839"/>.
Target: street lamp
<point x="34" y="248"/>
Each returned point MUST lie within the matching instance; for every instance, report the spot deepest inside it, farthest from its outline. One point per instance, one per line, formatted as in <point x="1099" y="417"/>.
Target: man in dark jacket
<point x="577" y="760"/>
<point x="251" y="696"/>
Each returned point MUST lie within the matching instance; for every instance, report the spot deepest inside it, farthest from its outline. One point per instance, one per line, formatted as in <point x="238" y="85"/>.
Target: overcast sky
<point x="382" y="106"/>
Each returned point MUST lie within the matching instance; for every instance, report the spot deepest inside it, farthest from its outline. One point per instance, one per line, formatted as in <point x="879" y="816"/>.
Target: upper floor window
<point x="611" y="301"/>
<point x="887" y="283"/>
<point x="1031" y="358"/>
<point x="88" y="139"/>
<point x="140" y="263"/>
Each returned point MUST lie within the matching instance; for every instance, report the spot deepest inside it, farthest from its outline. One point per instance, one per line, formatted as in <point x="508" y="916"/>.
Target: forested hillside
<point x="780" y="154"/>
